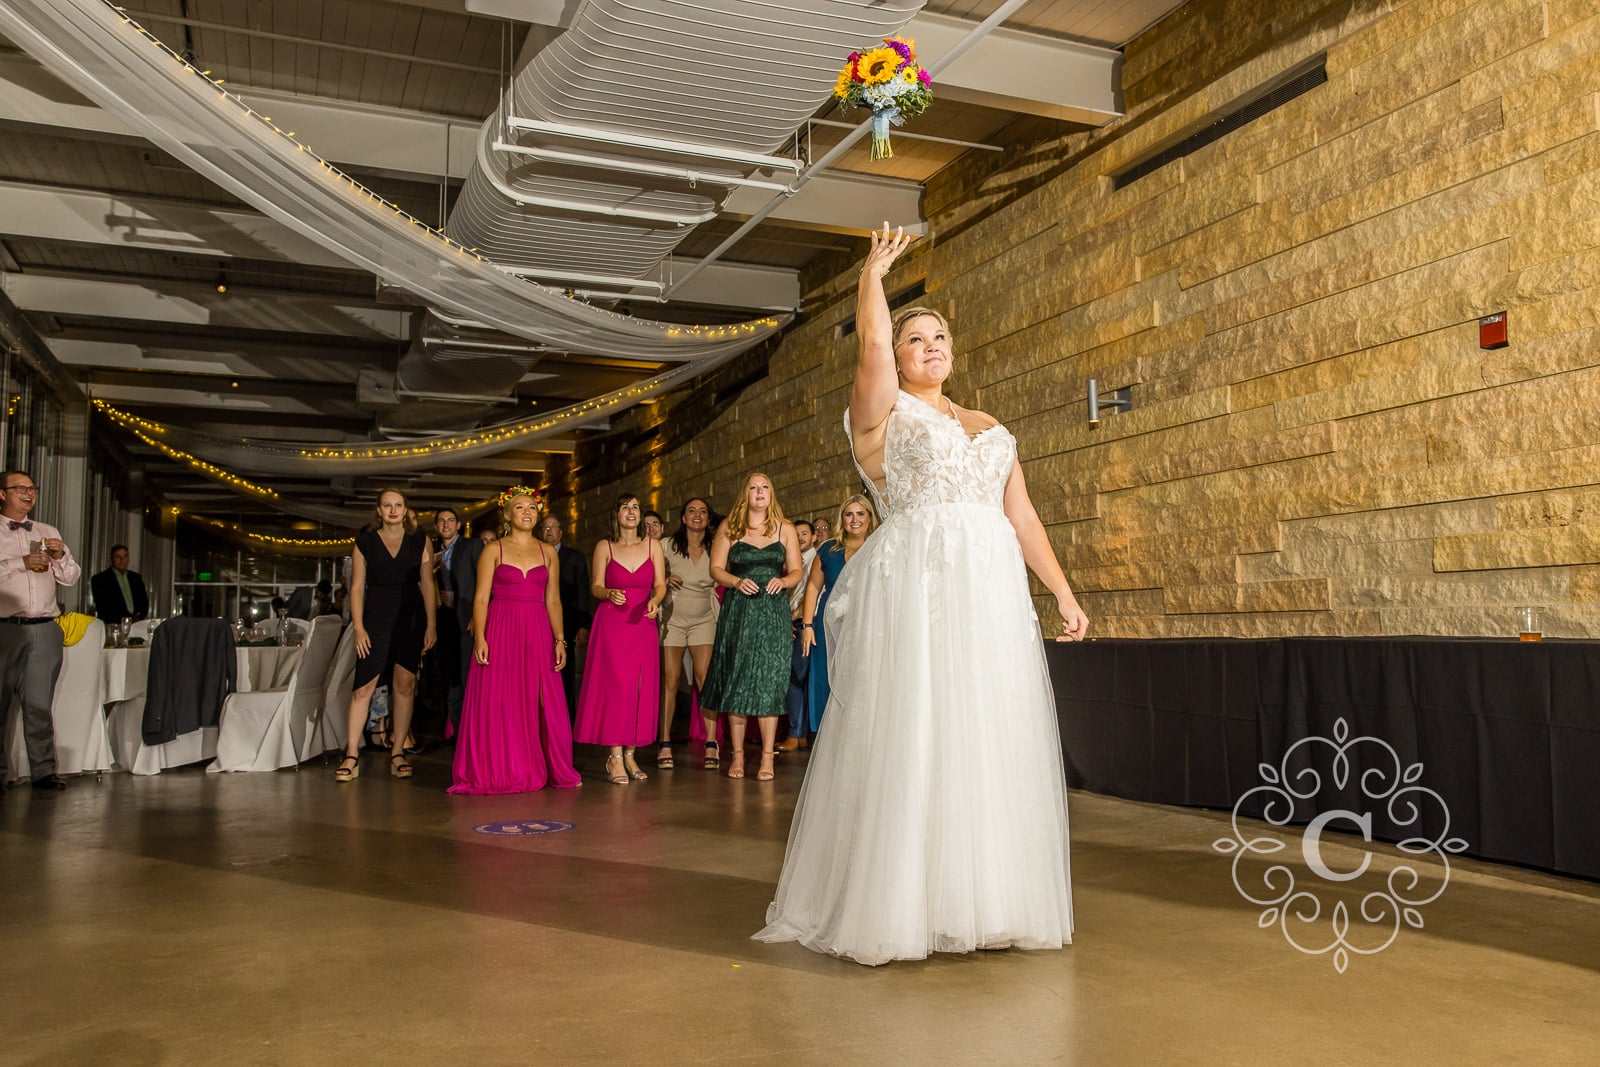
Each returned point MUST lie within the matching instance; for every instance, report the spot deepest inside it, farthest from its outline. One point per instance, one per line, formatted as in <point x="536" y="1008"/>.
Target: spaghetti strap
<point x="610" y="555"/>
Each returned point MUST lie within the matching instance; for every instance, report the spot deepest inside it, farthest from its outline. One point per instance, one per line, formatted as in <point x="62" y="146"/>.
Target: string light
<point x="148" y="431"/>
<point x="334" y="545"/>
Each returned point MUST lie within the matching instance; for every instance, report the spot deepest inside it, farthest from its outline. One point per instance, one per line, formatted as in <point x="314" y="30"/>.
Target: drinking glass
<point x="1529" y="627"/>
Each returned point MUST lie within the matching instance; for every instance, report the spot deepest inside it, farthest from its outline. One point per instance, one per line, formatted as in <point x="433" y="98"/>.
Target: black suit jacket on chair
<point x="464" y="576"/>
<point x="108" y="602"/>
<point x="577" y="606"/>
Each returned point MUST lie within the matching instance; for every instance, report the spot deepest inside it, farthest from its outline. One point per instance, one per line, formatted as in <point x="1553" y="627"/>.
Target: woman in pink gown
<point x="619" y="704"/>
<point x="514" y="736"/>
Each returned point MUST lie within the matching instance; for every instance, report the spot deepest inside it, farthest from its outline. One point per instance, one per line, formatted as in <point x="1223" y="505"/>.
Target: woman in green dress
<point x="756" y="558"/>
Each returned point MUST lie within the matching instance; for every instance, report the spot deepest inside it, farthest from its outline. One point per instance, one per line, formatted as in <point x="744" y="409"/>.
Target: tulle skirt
<point x="933" y="816"/>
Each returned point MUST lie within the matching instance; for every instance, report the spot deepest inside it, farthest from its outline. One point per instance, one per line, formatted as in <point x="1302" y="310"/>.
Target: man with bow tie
<point x="33" y="562"/>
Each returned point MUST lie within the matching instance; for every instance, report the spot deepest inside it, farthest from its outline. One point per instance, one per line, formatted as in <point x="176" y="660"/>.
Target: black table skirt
<point x="1507" y="733"/>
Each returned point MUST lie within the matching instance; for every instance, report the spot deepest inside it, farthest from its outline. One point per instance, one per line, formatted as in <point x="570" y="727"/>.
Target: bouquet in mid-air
<point x="887" y="80"/>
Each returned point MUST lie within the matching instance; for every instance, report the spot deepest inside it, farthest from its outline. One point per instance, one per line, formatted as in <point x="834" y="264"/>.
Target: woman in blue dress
<point x="857" y="520"/>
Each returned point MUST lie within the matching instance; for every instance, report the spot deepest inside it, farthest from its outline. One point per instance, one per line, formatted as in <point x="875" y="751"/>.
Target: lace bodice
<point x="929" y="460"/>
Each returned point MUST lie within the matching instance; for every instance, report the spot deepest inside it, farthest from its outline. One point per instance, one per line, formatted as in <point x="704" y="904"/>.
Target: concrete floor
<point x="281" y="919"/>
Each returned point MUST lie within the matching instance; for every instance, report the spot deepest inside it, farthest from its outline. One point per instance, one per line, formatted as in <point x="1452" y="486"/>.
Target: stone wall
<point x="1317" y="443"/>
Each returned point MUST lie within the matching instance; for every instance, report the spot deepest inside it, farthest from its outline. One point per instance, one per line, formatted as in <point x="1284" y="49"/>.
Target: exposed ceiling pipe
<point x="637" y="166"/>
<point x="658" y="144"/>
<point x="588" y="207"/>
<point x="148" y="17"/>
<point x="911" y="136"/>
<point x="581" y="278"/>
<point x="977" y="33"/>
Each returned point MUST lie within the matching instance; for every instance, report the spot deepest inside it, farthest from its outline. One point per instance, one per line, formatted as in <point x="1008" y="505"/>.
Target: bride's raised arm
<point x="876" y="386"/>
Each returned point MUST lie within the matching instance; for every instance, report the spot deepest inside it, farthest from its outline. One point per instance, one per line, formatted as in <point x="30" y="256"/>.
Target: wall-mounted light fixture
<point x="1110" y="403"/>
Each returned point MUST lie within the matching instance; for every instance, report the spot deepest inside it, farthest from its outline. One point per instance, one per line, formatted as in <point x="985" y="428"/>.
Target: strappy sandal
<point x="618" y="779"/>
<point x="737" y="770"/>
<point x="402" y="769"/>
<point x="664" y="758"/>
<point x="767" y="775"/>
<point x="350" y="773"/>
<point x="713" y="759"/>
<point x="631" y="765"/>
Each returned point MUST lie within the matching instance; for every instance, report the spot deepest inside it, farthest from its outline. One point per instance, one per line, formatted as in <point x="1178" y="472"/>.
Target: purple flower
<point x="901" y="47"/>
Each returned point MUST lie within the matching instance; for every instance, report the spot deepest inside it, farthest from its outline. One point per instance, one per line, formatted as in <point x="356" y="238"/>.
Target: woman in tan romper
<point x="691" y="619"/>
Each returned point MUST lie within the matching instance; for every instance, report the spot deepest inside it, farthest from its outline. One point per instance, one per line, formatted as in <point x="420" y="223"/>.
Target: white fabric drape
<point x="104" y="55"/>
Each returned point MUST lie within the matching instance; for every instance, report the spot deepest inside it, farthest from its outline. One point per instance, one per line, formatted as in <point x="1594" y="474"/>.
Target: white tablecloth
<point x="127" y="670"/>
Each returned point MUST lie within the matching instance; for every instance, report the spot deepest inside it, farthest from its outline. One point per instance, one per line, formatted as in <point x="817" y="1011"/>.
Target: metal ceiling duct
<point x="625" y="132"/>
<point x="621" y="135"/>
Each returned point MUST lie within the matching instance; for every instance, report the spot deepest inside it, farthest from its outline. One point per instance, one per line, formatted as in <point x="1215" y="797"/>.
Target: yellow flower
<point x="909" y="74"/>
<point x="878" y="66"/>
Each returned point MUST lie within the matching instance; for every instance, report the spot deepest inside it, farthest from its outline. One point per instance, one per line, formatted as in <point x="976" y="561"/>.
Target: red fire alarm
<point x="1492" y="331"/>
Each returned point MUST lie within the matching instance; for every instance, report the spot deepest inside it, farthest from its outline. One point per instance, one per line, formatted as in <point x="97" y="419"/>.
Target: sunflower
<point x="879" y="66"/>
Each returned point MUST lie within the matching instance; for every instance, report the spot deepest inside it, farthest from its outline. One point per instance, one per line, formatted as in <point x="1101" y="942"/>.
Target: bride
<point x="933" y="817"/>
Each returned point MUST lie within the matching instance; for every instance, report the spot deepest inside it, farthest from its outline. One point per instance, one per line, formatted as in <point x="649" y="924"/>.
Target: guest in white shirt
<point x="34" y="561"/>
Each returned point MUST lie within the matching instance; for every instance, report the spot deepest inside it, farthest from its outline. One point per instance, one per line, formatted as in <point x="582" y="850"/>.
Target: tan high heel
<point x="622" y="777"/>
<point x="768" y="774"/>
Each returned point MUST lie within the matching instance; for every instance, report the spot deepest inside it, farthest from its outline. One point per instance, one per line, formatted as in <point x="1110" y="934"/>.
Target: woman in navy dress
<point x="857" y="520"/>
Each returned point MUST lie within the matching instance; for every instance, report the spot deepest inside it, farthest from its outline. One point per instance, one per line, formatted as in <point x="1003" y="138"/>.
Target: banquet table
<point x="1507" y="733"/>
<point x="127" y="670"/>
<point x="126" y="677"/>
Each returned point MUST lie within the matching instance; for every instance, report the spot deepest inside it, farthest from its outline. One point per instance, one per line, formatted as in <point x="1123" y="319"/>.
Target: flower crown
<point x="519" y="490"/>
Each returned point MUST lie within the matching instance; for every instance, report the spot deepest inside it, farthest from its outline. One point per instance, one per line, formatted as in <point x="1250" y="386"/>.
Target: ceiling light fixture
<point x="222" y="281"/>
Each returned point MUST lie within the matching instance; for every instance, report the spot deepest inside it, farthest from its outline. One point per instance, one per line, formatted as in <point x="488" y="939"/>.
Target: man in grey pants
<point x="33" y="562"/>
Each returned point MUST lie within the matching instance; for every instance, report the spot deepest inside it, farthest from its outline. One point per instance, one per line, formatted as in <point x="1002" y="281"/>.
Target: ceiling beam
<point x="196" y="304"/>
<point x="833" y="202"/>
<point x="1015" y="70"/>
<point x="53" y="213"/>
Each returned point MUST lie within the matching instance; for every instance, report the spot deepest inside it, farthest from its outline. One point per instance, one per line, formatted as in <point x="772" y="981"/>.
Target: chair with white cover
<point x="80" y="722"/>
<point x="262" y="730"/>
<point x="141" y="629"/>
<point x="329" y="730"/>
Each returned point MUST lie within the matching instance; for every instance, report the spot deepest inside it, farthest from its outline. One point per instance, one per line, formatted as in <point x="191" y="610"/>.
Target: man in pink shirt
<point x="33" y="562"/>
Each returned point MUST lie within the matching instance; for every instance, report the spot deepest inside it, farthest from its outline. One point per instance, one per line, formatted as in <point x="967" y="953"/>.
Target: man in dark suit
<point x="577" y="607"/>
<point x="118" y="592"/>
<point x="456" y="572"/>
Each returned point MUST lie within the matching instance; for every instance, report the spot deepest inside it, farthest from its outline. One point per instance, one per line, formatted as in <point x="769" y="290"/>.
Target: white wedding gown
<point x="933" y="816"/>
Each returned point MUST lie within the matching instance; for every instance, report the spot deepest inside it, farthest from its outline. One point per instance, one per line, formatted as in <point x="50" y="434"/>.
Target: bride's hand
<point x="886" y="248"/>
<point x="1074" y="623"/>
